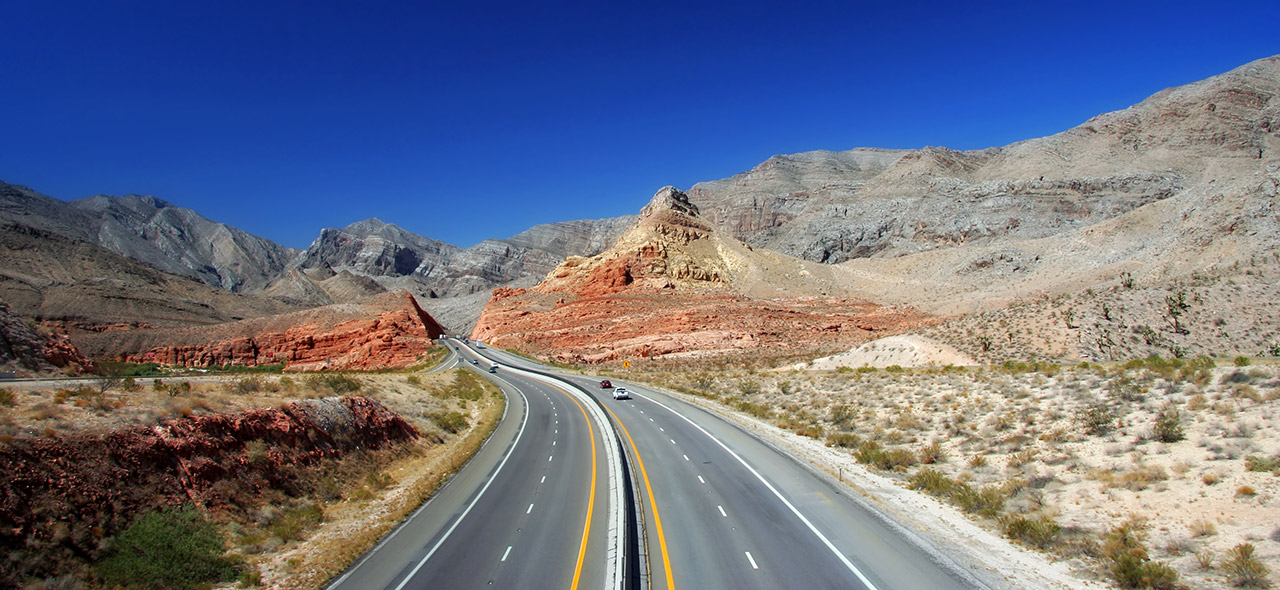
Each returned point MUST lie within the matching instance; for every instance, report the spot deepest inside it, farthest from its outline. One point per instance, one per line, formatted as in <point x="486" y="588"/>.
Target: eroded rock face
<point x="62" y="496"/>
<point x="675" y="288"/>
<point x="25" y="349"/>
<point x="388" y="331"/>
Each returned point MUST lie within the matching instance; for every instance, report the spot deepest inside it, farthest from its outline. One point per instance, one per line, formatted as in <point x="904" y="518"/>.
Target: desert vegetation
<point x="294" y="531"/>
<point x="1152" y="473"/>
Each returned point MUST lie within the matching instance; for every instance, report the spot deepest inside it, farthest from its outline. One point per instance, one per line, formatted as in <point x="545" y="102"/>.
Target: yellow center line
<point x="591" y="502"/>
<point x="657" y="520"/>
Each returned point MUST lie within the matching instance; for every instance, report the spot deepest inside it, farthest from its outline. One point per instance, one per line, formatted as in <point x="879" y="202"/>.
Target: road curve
<point x="726" y="510"/>
<point x="530" y="509"/>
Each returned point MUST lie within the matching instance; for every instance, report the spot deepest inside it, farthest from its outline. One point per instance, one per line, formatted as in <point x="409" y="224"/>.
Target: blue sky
<point x="468" y="120"/>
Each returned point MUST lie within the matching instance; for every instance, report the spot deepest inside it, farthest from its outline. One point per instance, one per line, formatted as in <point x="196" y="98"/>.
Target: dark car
<point x="605" y="384"/>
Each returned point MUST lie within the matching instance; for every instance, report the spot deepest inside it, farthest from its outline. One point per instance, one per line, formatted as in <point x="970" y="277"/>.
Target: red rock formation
<point x="60" y="497"/>
<point x="674" y="288"/>
<point x="388" y="331"/>
<point x="24" y="348"/>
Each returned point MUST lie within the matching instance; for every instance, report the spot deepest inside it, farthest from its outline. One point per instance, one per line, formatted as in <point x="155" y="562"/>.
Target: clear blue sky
<point x="467" y="120"/>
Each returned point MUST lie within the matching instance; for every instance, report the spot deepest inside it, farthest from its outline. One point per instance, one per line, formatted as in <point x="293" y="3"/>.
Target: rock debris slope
<point x="673" y="287"/>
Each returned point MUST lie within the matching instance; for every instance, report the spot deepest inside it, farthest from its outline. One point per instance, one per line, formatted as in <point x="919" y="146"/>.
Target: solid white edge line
<point x="506" y="553"/>
<point x="722" y="511"/>
<point x="752" y="560"/>
<point x="529" y="510"/>
<point x="775" y="491"/>
<point x="444" y="538"/>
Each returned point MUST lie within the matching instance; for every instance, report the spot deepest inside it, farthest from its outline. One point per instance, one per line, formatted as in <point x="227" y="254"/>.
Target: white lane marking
<point x="544" y="479"/>
<point x="701" y="480"/>
<point x="531" y="509"/>
<point x="720" y="507"/>
<point x="752" y="560"/>
<point x="506" y="553"/>
<point x="661" y="429"/>
<point x="551" y="457"/>
<point x="686" y="457"/>
<point x="474" y="500"/>
<point x="825" y="541"/>
<point x="673" y="441"/>
<point x="553" y="443"/>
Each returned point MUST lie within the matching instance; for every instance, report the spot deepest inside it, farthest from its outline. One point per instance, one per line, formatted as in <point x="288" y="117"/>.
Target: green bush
<point x="932" y="481"/>
<point x="1131" y="567"/>
<point x="335" y="382"/>
<point x="1241" y="361"/>
<point x="1253" y="463"/>
<point x="168" y="549"/>
<point x="847" y="440"/>
<point x="988" y="501"/>
<point x="292" y="524"/>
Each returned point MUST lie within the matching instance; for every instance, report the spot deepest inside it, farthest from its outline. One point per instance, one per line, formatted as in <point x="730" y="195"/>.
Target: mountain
<point x="1069" y="247"/>
<point x="674" y="287"/>
<point x="836" y="206"/>
<point x="156" y="233"/>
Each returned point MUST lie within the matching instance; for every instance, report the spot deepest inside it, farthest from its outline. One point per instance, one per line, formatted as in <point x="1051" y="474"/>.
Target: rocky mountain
<point x="836" y="206"/>
<point x="673" y="287"/>
<point x="83" y="286"/>
<point x="385" y="331"/>
<point x="156" y="233"/>
<point x="26" y="350"/>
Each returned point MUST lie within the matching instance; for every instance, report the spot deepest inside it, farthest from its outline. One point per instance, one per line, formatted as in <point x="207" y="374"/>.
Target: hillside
<point x="671" y="288"/>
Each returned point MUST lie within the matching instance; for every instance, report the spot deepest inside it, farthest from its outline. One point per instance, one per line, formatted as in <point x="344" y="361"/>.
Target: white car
<point x="621" y="393"/>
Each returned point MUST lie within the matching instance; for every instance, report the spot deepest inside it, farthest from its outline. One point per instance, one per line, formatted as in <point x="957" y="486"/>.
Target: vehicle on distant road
<point x="621" y="393"/>
<point x="605" y="384"/>
<point x="493" y="367"/>
<point x="475" y="362"/>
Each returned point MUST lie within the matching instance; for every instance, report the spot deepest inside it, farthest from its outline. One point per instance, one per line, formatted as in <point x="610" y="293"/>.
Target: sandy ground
<point x="906" y="351"/>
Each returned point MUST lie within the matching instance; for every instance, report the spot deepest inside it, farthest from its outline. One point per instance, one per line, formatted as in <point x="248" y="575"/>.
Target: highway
<point x="534" y="508"/>
<point x="725" y="510"/>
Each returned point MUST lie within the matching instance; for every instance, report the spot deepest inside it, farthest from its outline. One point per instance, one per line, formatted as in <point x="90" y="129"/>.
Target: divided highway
<point x="724" y="510"/>
<point x="533" y="509"/>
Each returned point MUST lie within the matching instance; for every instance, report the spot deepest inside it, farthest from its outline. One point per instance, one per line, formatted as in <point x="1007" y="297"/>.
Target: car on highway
<point x="621" y="393"/>
<point x="475" y="362"/>
<point x="605" y="384"/>
<point x="493" y="367"/>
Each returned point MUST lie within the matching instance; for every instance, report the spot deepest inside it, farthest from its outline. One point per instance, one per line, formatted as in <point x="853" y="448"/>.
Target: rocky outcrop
<point x="674" y="288"/>
<point x="62" y="497"/>
<point x="387" y="331"/>
<point x="26" y="349"/>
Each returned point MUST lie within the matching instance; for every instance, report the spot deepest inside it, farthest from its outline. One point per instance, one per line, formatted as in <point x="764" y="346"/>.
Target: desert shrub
<point x="451" y="422"/>
<point x="1252" y="463"/>
<point x="413" y="380"/>
<point x="1246" y="491"/>
<point x="1243" y="569"/>
<point x="1240" y="361"/>
<point x="1042" y="532"/>
<point x="1168" y="427"/>
<point x="841" y="414"/>
<point x="466" y="385"/>
<point x="293" y="523"/>
<point x="1131" y="567"/>
<point x="335" y="382"/>
<point x="7" y="398"/>
<point x="932" y="481"/>
<point x="748" y="386"/>
<point x="871" y="453"/>
<point x="249" y="384"/>
<point x="931" y="453"/>
<point x="166" y="549"/>
<point x="1097" y="419"/>
<point x="987" y="501"/>
<point x="847" y="440"/>
<point x="1202" y="528"/>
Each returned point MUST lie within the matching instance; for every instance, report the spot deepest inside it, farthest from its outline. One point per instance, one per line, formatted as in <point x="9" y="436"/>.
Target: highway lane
<point x="738" y="513"/>
<point x="528" y="511"/>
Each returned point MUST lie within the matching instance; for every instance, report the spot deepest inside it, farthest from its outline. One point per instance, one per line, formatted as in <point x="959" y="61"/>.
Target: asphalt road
<point x="725" y="510"/>
<point x="530" y="510"/>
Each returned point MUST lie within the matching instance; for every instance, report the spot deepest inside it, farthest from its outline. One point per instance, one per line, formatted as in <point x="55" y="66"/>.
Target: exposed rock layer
<point x="61" y="496"/>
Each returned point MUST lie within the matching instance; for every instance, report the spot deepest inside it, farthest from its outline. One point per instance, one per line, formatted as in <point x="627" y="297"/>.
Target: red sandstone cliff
<point x="674" y="288"/>
<point x="384" y="331"/>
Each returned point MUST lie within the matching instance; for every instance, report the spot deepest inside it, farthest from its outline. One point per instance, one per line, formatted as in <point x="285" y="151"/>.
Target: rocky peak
<point x="672" y="199"/>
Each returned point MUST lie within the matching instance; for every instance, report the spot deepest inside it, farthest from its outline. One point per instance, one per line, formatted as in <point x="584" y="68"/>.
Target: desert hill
<point x="674" y="287"/>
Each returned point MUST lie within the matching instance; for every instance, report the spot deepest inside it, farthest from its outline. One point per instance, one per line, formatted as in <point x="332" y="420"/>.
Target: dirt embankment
<point x="62" y="496"/>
